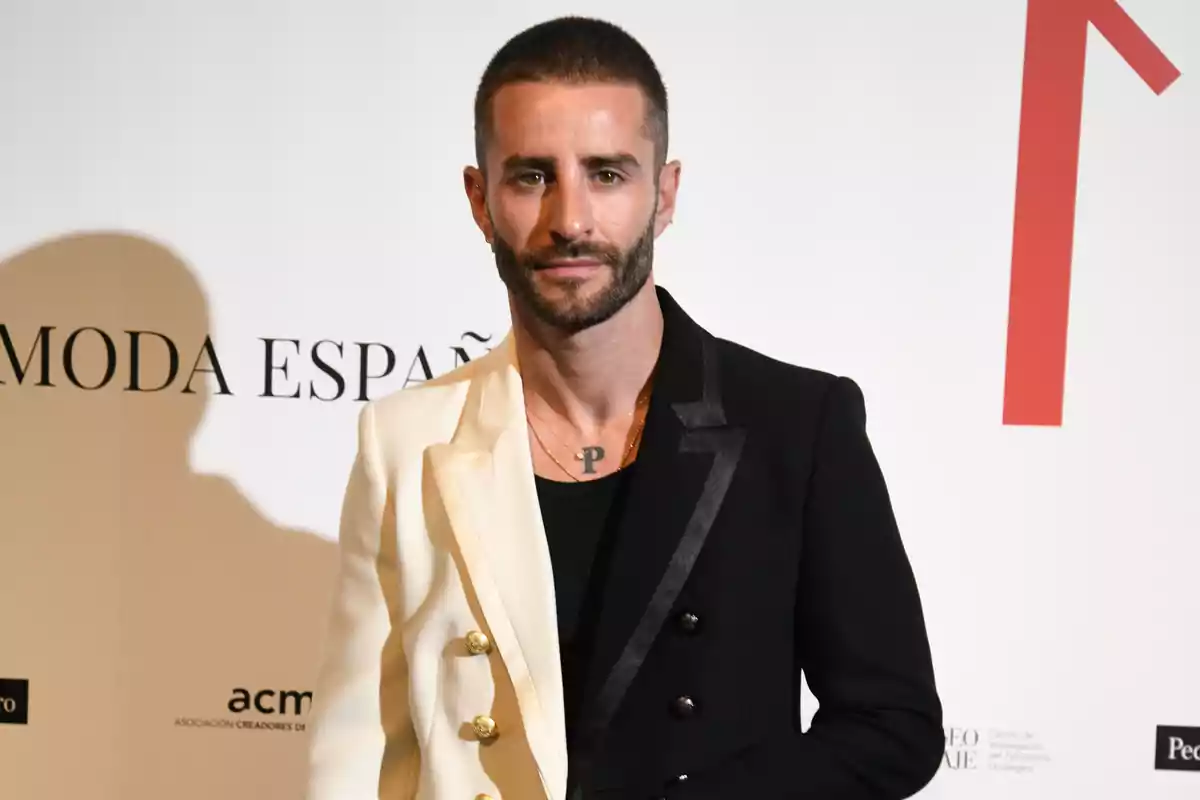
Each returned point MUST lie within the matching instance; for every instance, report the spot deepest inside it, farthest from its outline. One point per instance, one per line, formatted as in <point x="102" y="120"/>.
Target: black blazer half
<point x="757" y="542"/>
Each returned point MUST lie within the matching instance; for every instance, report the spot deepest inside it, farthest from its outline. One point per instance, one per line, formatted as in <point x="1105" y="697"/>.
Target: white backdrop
<point x="291" y="171"/>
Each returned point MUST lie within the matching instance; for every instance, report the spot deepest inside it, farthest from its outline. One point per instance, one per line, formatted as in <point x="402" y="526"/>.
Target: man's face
<point x="573" y="202"/>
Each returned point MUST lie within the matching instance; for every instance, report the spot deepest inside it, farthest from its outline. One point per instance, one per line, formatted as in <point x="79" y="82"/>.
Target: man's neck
<point x="591" y="377"/>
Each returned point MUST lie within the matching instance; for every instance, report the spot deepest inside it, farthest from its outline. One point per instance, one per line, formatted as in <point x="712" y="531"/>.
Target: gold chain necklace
<point x="633" y="441"/>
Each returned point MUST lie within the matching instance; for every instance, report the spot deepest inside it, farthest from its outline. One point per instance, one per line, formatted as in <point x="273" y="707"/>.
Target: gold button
<point x="483" y="797"/>
<point x="478" y="643"/>
<point x="485" y="728"/>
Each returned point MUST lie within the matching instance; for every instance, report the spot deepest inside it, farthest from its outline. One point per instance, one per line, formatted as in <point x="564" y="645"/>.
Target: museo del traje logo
<point x="970" y="749"/>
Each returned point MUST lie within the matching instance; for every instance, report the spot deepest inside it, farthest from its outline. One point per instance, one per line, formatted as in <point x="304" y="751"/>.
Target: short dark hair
<point x="576" y="50"/>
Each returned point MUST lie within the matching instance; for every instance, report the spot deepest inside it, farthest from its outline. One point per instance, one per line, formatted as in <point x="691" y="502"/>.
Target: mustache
<point x="540" y="258"/>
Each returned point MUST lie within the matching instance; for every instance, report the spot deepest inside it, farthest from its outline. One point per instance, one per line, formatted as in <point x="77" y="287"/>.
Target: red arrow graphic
<point x="1047" y="180"/>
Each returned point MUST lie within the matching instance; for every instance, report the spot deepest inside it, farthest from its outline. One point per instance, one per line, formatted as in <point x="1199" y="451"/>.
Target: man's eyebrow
<point x="518" y="161"/>
<point x="626" y="161"/>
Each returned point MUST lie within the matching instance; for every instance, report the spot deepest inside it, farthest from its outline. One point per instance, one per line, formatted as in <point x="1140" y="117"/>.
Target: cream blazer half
<point x="441" y="538"/>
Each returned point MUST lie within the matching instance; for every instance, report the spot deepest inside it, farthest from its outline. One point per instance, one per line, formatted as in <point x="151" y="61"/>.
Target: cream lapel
<point x="485" y="477"/>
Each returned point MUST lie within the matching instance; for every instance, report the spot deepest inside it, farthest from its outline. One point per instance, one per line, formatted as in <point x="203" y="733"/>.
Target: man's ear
<point x="475" y="185"/>
<point x="668" y="188"/>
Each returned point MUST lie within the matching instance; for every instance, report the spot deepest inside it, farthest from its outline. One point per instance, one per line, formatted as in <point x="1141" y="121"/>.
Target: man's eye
<point x="608" y="177"/>
<point x="531" y="178"/>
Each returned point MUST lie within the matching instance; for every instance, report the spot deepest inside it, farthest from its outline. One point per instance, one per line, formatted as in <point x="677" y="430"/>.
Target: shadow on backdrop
<point x="136" y="594"/>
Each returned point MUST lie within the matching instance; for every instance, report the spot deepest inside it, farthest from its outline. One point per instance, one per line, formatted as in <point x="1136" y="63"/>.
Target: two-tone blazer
<point x="757" y="542"/>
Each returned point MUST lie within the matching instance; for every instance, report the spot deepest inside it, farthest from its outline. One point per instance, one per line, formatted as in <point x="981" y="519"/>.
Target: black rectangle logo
<point x="14" y="701"/>
<point x="1177" y="748"/>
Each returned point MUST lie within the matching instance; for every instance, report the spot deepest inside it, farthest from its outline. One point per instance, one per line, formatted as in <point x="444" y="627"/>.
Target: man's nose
<point x="570" y="210"/>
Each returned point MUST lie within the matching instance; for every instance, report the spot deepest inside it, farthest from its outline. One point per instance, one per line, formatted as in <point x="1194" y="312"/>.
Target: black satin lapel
<point x="707" y="412"/>
<point x="726" y="449"/>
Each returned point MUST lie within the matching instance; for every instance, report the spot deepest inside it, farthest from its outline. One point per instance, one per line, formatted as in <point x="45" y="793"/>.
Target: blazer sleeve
<point x="360" y="707"/>
<point x="860" y="637"/>
<point x="862" y="640"/>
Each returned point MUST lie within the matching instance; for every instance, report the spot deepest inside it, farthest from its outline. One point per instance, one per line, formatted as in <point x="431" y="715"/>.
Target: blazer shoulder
<point x="424" y="414"/>
<point x="761" y="388"/>
<point x="755" y="371"/>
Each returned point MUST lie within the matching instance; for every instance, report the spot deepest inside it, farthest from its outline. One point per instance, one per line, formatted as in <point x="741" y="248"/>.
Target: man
<point x="594" y="562"/>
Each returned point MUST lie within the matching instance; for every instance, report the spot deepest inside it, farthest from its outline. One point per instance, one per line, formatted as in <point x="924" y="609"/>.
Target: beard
<point x="576" y="306"/>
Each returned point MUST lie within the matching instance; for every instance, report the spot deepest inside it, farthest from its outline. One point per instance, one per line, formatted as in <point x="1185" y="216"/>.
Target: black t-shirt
<point x="580" y="521"/>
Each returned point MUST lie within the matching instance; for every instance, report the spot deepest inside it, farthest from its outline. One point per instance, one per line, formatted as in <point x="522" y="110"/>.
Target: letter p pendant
<point x="589" y="456"/>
